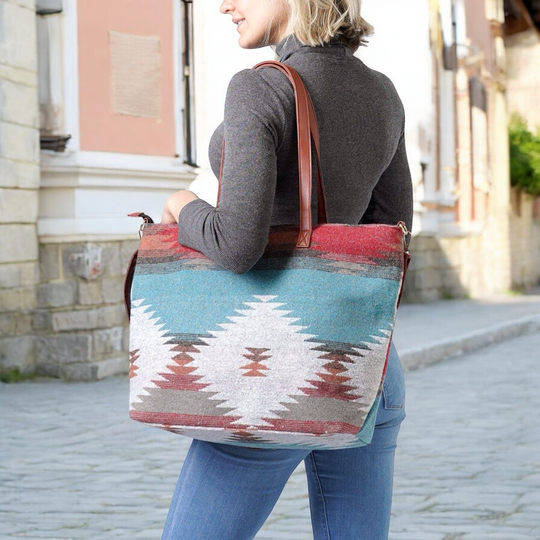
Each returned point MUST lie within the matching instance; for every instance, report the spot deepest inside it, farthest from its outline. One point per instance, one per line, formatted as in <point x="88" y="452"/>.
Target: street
<point x="73" y="465"/>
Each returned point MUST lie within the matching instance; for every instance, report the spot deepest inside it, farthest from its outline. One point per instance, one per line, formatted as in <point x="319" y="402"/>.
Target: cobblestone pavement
<point x="72" y="465"/>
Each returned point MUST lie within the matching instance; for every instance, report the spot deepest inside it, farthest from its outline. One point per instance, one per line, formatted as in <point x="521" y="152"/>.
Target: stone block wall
<point x="19" y="183"/>
<point x="80" y="321"/>
<point x="466" y="266"/>
<point x="434" y="273"/>
<point x="525" y="241"/>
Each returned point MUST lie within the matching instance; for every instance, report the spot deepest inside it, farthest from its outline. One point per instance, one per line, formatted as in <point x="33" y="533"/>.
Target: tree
<point x="524" y="156"/>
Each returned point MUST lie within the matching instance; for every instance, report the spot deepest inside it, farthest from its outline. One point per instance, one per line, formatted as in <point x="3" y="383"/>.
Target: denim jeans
<point x="226" y="492"/>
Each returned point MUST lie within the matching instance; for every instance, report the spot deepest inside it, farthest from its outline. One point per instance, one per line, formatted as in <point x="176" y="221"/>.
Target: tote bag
<point x="291" y="354"/>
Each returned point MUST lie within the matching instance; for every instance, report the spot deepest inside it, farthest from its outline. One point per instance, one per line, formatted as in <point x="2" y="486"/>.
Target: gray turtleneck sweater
<point x="363" y="158"/>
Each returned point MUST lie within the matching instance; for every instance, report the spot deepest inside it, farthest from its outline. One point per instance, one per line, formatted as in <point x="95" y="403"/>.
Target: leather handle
<point x="307" y="129"/>
<point x="128" y="282"/>
<point x="306" y="133"/>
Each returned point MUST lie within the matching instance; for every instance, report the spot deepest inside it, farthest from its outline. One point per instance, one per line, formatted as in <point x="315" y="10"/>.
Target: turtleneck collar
<point x="290" y="45"/>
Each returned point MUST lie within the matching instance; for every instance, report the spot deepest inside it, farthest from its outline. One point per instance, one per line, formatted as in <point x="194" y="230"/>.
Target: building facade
<point x="108" y="106"/>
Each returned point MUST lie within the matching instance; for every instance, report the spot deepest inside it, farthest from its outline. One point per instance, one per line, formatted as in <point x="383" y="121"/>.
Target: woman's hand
<point x="174" y="205"/>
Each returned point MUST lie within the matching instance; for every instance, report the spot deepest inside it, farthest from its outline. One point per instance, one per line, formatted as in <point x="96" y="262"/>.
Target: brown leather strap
<point x="322" y="215"/>
<point x="406" y="261"/>
<point x="306" y="124"/>
<point x="303" y="102"/>
<point x="128" y="282"/>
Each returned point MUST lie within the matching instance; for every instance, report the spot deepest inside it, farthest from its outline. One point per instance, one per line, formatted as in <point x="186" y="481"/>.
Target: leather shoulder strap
<point x="307" y="129"/>
<point x="128" y="282"/>
<point x="303" y="103"/>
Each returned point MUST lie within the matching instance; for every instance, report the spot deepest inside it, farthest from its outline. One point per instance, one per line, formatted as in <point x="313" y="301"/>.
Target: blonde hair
<point x="316" y="22"/>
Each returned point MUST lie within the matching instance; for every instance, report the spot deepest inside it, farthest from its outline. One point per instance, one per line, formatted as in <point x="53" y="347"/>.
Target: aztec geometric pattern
<point x="267" y="358"/>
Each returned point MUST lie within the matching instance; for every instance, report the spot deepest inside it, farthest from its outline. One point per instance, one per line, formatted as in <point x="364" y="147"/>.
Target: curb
<point x="432" y="353"/>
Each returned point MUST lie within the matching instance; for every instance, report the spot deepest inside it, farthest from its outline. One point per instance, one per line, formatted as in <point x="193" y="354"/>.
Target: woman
<point x="227" y="492"/>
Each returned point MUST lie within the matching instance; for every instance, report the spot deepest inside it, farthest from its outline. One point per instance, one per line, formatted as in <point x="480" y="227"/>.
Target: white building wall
<point x="400" y="49"/>
<point x="523" y="61"/>
<point x="217" y="58"/>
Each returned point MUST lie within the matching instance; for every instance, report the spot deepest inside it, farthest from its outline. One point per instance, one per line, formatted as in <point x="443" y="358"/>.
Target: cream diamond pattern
<point x="288" y="348"/>
<point x="154" y="354"/>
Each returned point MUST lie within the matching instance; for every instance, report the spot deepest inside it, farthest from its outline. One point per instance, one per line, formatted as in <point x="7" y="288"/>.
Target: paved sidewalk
<point x="73" y="466"/>
<point x="428" y="333"/>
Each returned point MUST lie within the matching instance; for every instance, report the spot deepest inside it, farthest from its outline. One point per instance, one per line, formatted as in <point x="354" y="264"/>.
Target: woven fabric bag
<point x="291" y="354"/>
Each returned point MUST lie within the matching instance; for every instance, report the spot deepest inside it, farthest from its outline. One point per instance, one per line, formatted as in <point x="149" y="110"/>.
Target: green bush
<point x="524" y="157"/>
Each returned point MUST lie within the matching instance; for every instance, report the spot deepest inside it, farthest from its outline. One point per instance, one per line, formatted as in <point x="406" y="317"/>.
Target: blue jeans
<point x="226" y="492"/>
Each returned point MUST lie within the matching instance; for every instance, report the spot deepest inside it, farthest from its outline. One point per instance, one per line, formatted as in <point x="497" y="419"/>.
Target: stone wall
<point x="19" y="182"/>
<point x="433" y="273"/>
<point x="80" y="321"/>
<point x="448" y="267"/>
<point x="466" y="266"/>
<point x="525" y="241"/>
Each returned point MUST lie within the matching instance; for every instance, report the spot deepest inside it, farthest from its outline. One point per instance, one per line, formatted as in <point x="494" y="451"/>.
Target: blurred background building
<point x="107" y="106"/>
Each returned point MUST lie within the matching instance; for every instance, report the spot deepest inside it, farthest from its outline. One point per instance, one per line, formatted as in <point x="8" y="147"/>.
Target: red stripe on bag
<point x="175" y="419"/>
<point x="309" y="426"/>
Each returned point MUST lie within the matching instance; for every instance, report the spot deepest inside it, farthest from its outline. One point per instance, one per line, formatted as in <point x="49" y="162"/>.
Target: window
<point x="480" y="157"/>
<point x="188" y="80"/>
<point x="48" y="7"/>
<point x="51" y="98"/>
<point x="448" y="27"/>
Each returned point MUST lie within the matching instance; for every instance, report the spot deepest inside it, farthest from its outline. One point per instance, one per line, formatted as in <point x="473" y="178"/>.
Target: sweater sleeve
<point x="391" y="199"/>
<point x="235" y="234"/>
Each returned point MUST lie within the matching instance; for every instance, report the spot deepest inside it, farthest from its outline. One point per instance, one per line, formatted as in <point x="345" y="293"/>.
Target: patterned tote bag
<point x="290" y="354"/>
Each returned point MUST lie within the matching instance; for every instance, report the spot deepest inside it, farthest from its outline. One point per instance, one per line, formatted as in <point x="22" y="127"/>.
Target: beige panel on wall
<point x="135" y="74"/>
<point x="127" y="76"/>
